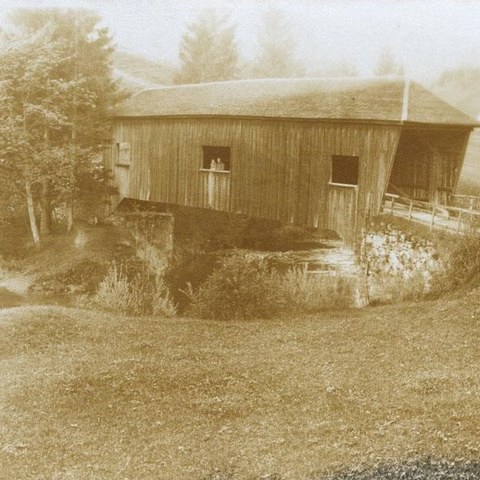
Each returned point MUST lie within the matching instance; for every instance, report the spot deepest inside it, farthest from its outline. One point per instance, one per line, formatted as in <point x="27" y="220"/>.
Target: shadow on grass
<point x="423" y="469"/>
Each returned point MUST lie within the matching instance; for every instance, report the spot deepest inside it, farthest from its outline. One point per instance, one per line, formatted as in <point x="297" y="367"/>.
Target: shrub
<point x="245" y="288"/>
<point x="161" y="301"/>
<point x="187" y="269"/>
<point x="240" y="288"/>
<point x="116" y="293"/>
<point x="462" y="268"/>
<point x="129" y="289"/>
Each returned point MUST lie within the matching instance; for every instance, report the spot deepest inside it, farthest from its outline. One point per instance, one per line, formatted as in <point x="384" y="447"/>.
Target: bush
<point x="240" y="288"/>
<point x="462" y="268"/>
<point x="116" y="293"/>
<point x="129" y="289"/>
<point x="246" y="288"/>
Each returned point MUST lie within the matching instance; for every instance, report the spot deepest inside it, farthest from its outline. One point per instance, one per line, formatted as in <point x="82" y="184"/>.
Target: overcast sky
<point x="427" y="36"/>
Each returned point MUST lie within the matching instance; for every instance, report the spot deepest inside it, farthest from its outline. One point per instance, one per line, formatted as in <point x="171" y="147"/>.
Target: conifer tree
<point x="208" y="50"/>
<point x="277" y="57"/>
<point x="387" y="65"/>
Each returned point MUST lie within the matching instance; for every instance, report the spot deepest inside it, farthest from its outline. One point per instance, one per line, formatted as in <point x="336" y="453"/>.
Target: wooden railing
<point x="441" y="216"/>
<point x="471" y="202"/>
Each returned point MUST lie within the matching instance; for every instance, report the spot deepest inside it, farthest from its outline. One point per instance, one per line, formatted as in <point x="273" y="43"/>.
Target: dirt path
<point x="14" y="288"/>
<point x="16" y="283"/>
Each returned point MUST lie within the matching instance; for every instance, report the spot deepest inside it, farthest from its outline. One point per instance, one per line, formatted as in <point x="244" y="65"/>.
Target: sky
<point x="426" y="36"/>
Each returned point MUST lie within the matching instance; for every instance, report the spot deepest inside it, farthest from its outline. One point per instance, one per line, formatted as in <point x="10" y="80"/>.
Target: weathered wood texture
<point x="280" y="169"/>
<point x="428" y="163"/>
<point x="215" y="190"/>
<point x="343" y="198"/>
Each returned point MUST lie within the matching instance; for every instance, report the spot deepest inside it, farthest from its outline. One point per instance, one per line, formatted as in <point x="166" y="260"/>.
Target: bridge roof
<point x="384" y="99"/>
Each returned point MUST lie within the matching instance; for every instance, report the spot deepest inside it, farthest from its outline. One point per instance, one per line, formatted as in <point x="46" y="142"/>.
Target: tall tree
<point x="208" y="50"/>
<point x="57" y="89"/>
<point x="278" y="56"/>
<point x="387" y="65"/>
<point x="27" y="111"/>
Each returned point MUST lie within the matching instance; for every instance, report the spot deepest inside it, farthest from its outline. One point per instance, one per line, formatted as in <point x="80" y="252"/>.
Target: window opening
<point x="344" y="170"/>
<point x="216" y="158"/>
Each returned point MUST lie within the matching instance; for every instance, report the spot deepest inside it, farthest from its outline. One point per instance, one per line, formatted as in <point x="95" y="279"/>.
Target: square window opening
<point x="344" y="170"/>
<point x="216" y="158"/>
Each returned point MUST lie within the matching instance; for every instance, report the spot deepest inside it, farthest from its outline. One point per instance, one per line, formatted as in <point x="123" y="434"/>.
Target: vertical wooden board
<point x="129" y="135"/>
<point x="460" y="155"/>
<point x="304" y="176"/>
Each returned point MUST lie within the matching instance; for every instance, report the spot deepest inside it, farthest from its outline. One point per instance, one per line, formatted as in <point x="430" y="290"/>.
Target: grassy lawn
<point x="87" y="395"/>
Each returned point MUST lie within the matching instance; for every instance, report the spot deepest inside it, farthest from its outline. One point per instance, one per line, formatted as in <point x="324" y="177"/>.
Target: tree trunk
<point x="31" y="214"/>
<point x="45" y="213"/>
<point x="69" y="215"/>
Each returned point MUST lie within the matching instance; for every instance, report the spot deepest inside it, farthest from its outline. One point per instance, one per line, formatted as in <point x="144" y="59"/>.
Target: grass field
<point x="87" y="395"/>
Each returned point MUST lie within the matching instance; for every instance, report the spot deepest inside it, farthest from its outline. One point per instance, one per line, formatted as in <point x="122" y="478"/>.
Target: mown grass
<point x="90" y="395"/>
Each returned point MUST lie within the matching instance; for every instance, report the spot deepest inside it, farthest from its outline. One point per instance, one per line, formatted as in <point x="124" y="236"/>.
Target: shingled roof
<point x="380" y="99"/>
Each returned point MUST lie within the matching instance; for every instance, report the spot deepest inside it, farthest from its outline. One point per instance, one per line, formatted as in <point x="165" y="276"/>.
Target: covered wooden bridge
<point x="313" y="152"/>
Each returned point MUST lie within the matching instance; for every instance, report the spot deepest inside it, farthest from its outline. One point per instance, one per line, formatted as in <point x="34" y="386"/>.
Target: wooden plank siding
<point x="344" y="199"/>
<point x="280" y="169"/>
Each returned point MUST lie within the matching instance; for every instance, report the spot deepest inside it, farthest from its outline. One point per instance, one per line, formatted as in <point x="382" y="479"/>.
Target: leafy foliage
<point x="240" y="288"/>
<point x="128" y="289"/>
<point x="116" y="293"/>
<point x="55" y="95"/>
<point x="247" y="287"/>
<point x="462" y="269"/>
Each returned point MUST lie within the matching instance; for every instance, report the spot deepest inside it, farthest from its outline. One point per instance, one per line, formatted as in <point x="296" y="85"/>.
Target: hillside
<point x="91" y="395"/>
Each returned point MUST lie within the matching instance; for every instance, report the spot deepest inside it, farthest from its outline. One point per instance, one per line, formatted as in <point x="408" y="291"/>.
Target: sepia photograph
<point x="240" y="239"/>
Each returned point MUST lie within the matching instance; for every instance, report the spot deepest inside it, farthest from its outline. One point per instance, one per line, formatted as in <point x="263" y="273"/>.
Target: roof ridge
<point x="394" y="99"/>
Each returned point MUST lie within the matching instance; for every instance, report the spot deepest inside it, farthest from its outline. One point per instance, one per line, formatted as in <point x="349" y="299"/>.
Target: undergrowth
<point x="461" y="270"/>
<point x="130" y="289"/>
<point x="247" y="287"/>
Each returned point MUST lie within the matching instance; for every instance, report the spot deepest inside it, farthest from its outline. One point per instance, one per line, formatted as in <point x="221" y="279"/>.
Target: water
<point x="330" y="256"/>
